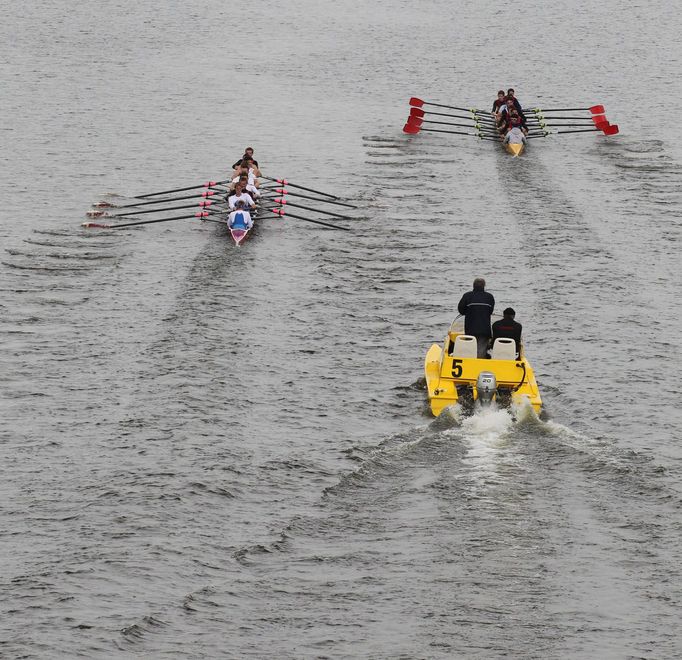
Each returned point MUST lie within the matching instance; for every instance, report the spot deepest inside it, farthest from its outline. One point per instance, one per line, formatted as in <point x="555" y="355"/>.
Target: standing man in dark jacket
<point x="477" y="307"/>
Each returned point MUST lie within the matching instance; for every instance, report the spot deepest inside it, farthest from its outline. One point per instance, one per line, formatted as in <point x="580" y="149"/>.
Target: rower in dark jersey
<point x="248" y="153"/>
<point x="499" y="102"/>
<point x="517" y="103"/>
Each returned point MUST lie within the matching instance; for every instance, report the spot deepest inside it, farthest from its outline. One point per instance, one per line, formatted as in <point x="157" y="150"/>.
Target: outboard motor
<point x="486" y="386"/>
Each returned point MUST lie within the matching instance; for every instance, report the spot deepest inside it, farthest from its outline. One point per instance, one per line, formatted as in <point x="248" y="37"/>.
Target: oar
<point x="285" y="182"/>
<point x="418" y="103"/>
<point x="281" y="200"/>
<point x="163" y="210"/>
<point x="165" y="192"/>
<point x="611" y="129"/>
<point x="281" y="212"/>
<point x="284" y="191"/>
<point x="411" y="129"/>
<point x="541" y="117"/>
<point x="418" y="112"/>
<point x="206" y="193"/>
<point x="595" y="109"/>
<point x="201" y="214"/>
<point x="416" y="121"/>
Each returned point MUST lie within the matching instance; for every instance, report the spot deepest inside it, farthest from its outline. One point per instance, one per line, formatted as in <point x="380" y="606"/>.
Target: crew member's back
<point x="508" y="327"/>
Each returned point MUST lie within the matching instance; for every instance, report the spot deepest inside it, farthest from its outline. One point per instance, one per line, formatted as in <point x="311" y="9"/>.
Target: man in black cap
<point x="508" y="327"/>
<point x="477" y="307"/>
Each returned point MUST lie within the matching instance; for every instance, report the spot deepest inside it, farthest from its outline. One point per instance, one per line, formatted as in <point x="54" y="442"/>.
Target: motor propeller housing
<point x="486" y="387"/>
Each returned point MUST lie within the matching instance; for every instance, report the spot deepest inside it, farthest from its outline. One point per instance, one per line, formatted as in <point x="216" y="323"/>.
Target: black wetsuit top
<point x="508" y="328"/>
<point x="477" y="306"/>
<point x="239" y="162"/>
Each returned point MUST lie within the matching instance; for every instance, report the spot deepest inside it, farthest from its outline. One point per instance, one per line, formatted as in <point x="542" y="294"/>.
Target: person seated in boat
<point x="245" y="169"/>
<point x="508" y="327"/>
<point x="499" y="102"/>
<point x="248" y="153"/>
<point x="476" y="307"/>
<point x="241" y="202"/>
<point x="252" y="165"/>
<point x="504" y="117"/>
<point x="252" y="190"/>
<point x="516" y="121"/>
<point x="514" y="136"/>
<point x="517" y="103"/>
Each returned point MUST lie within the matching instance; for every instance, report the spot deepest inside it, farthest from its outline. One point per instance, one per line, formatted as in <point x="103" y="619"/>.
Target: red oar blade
<point x="411" y="129"/>
<point x="415" y="121"/>
<point x="602" y="125"/>
<point x="418" y="103"/>
<point x="416" y="112"/>
<point x="597" y="109"/>
<point x="598" y="119"/>
<point x="612" y="129"/>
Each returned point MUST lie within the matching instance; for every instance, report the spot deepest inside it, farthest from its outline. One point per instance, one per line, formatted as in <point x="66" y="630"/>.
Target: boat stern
<point x="514" y="149"/>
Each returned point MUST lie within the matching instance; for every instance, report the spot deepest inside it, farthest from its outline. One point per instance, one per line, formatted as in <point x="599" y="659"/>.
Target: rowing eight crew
<point x="509" y="118"/>
<point x="243" y="189"/>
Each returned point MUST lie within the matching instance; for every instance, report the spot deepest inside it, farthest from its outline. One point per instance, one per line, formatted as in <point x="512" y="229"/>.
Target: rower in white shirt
<point x="251" y="189"/>
<point x="246" y="167"/>
<point x="240" y="203"/>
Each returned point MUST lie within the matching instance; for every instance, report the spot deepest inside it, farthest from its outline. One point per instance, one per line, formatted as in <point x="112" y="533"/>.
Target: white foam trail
<point x="485" y="433"/>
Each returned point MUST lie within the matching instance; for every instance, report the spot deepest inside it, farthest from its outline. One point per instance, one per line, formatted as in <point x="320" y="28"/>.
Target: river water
<point x="216" y="452"/>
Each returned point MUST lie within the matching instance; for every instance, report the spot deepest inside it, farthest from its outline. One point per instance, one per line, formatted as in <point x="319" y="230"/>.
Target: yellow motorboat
<point x="454" y="374"/>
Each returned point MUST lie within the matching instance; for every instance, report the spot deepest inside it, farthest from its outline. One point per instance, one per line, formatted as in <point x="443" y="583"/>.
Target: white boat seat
<point x="503" y="349"/>
<point x="465" y="347"/>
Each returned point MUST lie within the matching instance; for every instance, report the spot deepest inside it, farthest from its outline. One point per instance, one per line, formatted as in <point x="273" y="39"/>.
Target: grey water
<point x="211" y="452"/>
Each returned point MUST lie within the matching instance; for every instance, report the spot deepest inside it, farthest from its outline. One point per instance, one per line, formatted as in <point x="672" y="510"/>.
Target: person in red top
<point x="499" y="101"/>
<point x="517" y="103"/>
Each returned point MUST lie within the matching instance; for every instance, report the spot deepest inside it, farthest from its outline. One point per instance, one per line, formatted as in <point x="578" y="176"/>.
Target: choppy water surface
<point x="218" y="452"/>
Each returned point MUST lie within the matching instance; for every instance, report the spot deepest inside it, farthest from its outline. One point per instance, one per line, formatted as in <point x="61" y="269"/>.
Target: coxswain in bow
<point x="241" y="204"/>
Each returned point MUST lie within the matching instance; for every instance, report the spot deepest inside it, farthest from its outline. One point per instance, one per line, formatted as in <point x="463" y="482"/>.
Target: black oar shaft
<point x="447" y="123"/>
<point x="438" y="130"/>
<point x="163" y="210"/>
<point x="284" y="214"/>
<point x="166" y="192"/>
<point x="141" y="222"/>
<point x="451" y="107"/>
<point x="283" y="191"/>
<point x="584" y="130"/>
<point x="165" y="201"/>
<point x="285" y="182"/>
<point x="310" y="208"/>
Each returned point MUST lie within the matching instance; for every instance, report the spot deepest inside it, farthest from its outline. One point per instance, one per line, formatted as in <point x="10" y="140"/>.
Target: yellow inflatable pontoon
<point x="455" y="375"/>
